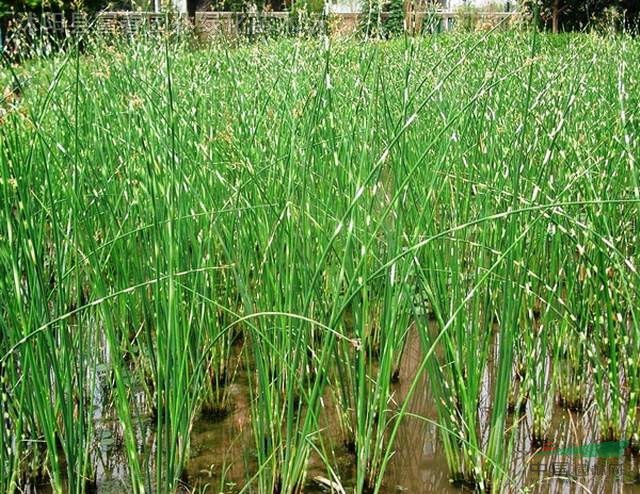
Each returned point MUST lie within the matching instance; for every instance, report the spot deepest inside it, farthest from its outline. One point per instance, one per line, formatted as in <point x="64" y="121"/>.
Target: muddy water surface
<point x="222" y="451"/>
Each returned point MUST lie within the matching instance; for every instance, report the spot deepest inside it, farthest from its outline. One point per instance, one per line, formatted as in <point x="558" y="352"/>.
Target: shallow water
<point x="222" y="451"/>
<point x="419" y="465"/>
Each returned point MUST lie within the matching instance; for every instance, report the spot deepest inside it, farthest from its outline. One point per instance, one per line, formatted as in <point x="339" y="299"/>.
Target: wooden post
<point x="555" y="16"/>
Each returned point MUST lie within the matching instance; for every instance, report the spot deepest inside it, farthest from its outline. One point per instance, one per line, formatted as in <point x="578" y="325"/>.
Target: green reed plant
<point x="299" y="196"/>
<point x="541" y="320"/>
<point x="56" y="364"/>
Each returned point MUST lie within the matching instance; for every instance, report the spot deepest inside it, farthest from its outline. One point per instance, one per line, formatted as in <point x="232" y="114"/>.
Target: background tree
<point x="568" y="15"/>
<point x="61" y="5"/>
<point x="393" y="22"/>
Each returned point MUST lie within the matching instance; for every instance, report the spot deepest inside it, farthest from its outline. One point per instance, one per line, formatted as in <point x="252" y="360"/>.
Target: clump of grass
<point x="308" y="198"/>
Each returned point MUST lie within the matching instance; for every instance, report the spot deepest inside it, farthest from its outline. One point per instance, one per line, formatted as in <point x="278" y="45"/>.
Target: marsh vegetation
<point x="327" y="254"/>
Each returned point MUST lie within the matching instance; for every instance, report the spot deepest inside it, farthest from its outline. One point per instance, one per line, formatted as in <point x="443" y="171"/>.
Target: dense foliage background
<point x="60" y="5"/>
<point x="569" y="15"/>
<point x="380" y="18"/>
<point x="384" y="18"/>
